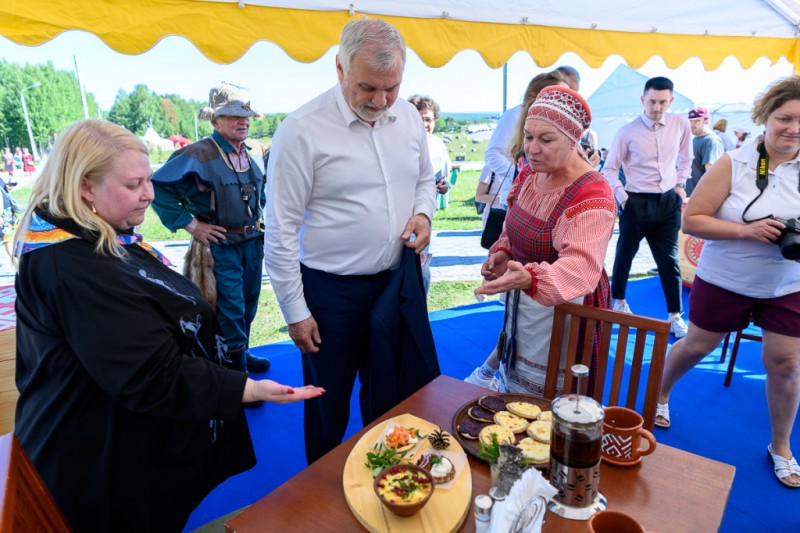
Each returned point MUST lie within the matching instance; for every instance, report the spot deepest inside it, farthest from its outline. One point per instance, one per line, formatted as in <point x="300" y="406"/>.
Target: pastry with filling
<point x="515" y="423"/>
<point x="438" y="466"/>
<point x="480" y="414"/>
<point x="503" y="435"/>
<point x="540" y="430"/>
<point x="537" y="452"/>
<point x="492" y="403"/>
<point x="524" y="409"/>
<point x="470" y="429"/>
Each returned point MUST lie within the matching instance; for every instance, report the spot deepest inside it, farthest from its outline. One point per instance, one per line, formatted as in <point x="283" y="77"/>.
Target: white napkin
<point x="524" y="508"/>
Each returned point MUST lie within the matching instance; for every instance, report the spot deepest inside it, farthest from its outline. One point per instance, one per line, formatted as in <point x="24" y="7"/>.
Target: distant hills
<point x="491" y="115"/>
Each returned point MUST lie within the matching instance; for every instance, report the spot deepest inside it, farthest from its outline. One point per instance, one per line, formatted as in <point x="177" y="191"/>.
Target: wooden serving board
<point x="446" y="509"/>
<point x="472" y="447"/>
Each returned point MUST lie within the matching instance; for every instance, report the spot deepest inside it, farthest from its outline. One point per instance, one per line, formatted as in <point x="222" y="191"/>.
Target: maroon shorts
<point x="716" y="309"/>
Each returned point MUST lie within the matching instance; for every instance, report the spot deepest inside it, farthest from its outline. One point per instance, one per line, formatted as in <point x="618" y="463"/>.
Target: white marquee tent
<point x="435" y="29"/>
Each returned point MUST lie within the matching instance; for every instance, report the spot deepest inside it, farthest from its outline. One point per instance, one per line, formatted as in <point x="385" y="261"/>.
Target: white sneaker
<point x="678" y="327"/>
<point x="476" y="378"/>
<point x="621" y="306"/>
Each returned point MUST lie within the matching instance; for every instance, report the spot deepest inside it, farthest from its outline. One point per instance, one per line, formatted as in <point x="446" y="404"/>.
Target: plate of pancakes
<point x="520" y="419"/>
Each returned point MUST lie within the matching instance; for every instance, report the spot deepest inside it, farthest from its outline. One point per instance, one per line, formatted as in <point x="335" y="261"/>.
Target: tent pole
<point x="505" y="87"/>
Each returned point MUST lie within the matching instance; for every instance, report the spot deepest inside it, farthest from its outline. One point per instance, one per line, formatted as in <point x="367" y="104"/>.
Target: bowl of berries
<point x="404" y="488"/>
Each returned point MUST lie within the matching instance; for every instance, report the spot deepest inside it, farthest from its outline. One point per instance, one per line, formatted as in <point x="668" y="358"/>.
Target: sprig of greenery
<point x="490" y="452"/>
<point x="382" y="458"/>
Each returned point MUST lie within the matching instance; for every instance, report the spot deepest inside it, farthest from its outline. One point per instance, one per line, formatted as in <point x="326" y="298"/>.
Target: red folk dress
<point x="27" y="162"/>
<point x="561" y="235"/>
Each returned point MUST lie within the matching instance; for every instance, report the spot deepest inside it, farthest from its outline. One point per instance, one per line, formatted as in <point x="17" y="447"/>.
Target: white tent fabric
<point x="683" y="17"/>
<point x="738" y="116"/>
<point x="154" y="140"/>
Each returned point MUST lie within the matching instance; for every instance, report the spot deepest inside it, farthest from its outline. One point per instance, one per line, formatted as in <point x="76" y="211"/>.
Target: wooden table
<point x="671" y="490"/>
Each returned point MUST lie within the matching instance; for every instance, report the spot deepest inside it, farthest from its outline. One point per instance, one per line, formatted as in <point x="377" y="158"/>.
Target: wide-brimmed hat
<point x="226" y="100"/>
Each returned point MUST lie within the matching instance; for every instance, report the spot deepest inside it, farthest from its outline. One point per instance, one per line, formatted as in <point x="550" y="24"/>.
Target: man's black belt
<point x="245" y="230"/>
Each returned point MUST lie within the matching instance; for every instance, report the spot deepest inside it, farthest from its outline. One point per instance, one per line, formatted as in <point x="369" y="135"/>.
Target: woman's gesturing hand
<point x="515" y="277"/>
<point x="270" y="391"/>
<point x="495" y="266"/>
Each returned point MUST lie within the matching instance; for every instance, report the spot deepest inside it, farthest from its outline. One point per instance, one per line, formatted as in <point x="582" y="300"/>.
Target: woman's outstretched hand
<point x="515" y="277"/>
<point x="266" y="390"/>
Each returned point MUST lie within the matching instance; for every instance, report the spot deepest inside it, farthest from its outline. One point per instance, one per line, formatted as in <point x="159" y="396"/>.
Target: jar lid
<point x="585" y="411"/>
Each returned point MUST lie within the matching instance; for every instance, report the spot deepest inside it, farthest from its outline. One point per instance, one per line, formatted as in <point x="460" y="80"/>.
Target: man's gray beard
<point x="375" y="115"/>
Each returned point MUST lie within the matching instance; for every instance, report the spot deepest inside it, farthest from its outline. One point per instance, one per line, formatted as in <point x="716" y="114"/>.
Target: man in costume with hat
<point x="214" y="190"/>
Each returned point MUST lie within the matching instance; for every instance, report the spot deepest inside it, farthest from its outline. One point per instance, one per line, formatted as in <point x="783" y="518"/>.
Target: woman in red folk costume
<point x="560" y="218"/>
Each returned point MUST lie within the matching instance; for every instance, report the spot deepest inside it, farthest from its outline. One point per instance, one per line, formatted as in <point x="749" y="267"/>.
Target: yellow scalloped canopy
<point x="224" y="32"/>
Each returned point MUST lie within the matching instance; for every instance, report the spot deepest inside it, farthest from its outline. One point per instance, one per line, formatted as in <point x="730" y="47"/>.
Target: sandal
<point x="662" y="411"/>
<point x="784" y="468"/>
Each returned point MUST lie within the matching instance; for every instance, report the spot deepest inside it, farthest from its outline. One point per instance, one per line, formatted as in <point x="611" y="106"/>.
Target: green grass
<point x="460" y="214"/>
<point x="22" y="194"/>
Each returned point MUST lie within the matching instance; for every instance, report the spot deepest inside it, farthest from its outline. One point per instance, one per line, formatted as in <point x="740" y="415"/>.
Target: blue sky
<point x="277" y="83"/>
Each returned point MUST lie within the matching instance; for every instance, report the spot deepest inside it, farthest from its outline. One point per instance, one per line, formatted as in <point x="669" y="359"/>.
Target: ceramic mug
<point x="609" y="521"/>
<point x="623" y="435"/>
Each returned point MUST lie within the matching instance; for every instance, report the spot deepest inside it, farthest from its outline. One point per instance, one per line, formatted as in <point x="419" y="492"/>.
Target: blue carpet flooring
<point x="729" y="424"/>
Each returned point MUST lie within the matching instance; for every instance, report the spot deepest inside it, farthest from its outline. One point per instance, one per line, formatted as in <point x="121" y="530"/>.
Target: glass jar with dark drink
<point x="575" y="443"/>
<point x="577" y="437"/>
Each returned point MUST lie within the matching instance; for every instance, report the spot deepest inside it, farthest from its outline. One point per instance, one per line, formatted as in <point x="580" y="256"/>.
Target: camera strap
<point x="762" y="179"/>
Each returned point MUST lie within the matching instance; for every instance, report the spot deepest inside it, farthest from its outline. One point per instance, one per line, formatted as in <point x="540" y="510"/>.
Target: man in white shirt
<point x="350" y="183"/>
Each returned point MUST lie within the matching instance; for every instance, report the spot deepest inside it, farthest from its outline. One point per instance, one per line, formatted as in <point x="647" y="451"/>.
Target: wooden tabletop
<point x="671" y="490"/>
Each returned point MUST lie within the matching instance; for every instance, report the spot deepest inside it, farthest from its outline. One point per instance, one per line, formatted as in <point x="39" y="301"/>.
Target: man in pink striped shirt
<point x="655" y="153"/>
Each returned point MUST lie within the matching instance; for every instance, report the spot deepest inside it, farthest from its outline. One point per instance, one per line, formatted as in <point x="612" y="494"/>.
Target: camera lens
<point x="789" y="244"/>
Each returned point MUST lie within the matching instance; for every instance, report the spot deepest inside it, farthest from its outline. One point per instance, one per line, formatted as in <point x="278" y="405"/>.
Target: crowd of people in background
<point x="339" y="213"/>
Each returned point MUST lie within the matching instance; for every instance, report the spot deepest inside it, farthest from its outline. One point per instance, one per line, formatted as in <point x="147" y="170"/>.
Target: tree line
<point x="52" y="106"/>
<point x="56" y="103"/>
<point x="171" y="114"/>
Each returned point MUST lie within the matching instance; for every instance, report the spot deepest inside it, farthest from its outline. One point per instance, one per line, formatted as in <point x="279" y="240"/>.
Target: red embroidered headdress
<point x="563" y="108"/>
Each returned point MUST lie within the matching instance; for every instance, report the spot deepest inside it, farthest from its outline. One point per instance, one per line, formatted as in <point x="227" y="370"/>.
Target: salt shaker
<point x="483" y="513"/>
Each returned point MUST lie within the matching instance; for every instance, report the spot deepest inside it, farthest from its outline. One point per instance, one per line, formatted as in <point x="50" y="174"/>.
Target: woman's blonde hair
<point x="774" y="97"/>
<point x="535" y="86"/>
<point x="87" y="149"/>
<point x="721" y="125"/>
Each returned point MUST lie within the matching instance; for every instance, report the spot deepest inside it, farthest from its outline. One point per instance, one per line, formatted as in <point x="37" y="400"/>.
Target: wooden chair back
<point x="564" y="345"/>
<point x="26" y="503"/>
<point x="8" y="386"/>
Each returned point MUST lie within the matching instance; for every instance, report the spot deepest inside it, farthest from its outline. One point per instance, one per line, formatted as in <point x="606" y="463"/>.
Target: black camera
<point x="789" y="241"/>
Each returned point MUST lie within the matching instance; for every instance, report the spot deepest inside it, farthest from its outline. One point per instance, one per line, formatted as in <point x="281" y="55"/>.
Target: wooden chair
<point x="26" y="503"/>
<point x="564" y="344"/>
<point x="737" y="337"/>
